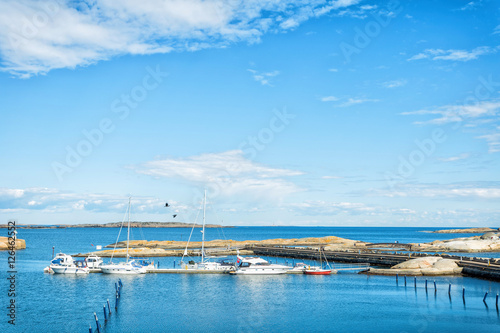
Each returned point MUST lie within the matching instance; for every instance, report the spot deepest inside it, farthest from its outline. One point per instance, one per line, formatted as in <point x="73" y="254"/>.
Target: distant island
<point x="465" y="231"/>
<point x="134" y="224"/>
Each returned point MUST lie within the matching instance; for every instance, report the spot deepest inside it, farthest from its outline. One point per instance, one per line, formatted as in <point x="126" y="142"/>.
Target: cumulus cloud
<point x="227" y="173"/>
<point x="39" y="36"/>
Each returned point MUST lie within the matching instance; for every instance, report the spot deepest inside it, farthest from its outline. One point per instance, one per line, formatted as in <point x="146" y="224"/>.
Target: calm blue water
<point x="222" y="303"/>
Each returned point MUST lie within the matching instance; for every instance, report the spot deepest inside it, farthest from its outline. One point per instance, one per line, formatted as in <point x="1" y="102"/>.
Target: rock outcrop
<point x="4" y="244"/>
<point x="421" y="266"/>
<point x="465" y="231"/>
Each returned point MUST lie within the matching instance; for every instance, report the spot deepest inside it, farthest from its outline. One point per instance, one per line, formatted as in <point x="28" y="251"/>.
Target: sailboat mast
<point x="203" y="231"/>
<point x="128" y="228"/>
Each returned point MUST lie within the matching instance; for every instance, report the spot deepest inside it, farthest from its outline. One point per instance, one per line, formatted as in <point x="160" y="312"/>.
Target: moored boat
<point x="65" y="264"/>
<point x="258" y="266"/>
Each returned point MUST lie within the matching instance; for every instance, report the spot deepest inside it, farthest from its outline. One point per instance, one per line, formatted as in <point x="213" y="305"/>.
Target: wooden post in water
<point x="109" y="308"/>
<point x="463" y="294"/>
<point x="415" y="282"/>
<point x="105" y="314"/>
<point x="405" y="280"/>
<point x="97" y="323"/>
<point x="484" y="298"/>
<point x="90" y="328"/>
<point x="116" y="301"/>
<point x="397" y="277"/>
<point x="496" y="302"/>
<point x="425" y="285"/>
<point x="449" y="289"/>
<point x="435" y="287"/>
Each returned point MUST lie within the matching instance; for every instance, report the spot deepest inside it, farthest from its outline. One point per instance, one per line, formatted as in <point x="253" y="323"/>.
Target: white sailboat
<point x="205" y="264"/>
<point x="127" y="267"/>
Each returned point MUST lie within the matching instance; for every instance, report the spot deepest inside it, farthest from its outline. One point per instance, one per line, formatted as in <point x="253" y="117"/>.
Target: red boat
<point x="318" y="271"/>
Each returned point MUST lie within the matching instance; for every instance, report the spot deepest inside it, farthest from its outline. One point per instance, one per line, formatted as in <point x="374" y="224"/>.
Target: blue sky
<point x="329" y="113"/>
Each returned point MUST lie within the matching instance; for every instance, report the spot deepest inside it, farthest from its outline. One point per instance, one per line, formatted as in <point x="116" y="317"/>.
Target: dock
<point x="472" y="266"/>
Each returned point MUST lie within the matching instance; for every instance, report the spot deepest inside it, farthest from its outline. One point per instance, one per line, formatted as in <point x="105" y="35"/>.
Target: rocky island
<point x="4" y="244"/>
<point x="134" y="224"/>
<point x="465" y="231"/>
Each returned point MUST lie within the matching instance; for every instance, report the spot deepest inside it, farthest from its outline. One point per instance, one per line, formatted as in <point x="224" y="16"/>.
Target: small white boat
<point x="65" y="264"/>
<point x="258" y="266"/>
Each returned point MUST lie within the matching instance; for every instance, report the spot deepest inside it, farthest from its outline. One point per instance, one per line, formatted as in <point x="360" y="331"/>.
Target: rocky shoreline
<point x="4" y="244"/>
<point x="117" y="225"/>
<point x="465" y="231"/>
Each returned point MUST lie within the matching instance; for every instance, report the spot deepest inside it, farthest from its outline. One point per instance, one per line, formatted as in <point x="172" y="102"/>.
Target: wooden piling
<point x="97" y="323"/>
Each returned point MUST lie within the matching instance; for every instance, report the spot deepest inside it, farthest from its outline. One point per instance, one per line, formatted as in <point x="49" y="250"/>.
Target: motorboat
<point x="93" y="261"/>
<point x="65" y="264"/>
<point x="258" y="266"/>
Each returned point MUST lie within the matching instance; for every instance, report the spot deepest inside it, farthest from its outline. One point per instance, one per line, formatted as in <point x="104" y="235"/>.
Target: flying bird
<point x="175" y="215"/>
<point x="167" y="205"/>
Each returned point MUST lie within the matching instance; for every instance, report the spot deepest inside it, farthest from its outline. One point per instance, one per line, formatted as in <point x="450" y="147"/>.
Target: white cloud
<point x="462" y="156"/>
<point x="329" y="99"/>
<point x="354" y="101"/>
<point x="458" y="113"/>
<point x="493" y="141"/>
<point x="36" y="36"/>
<point x="331" y="177"/>
<point x="395" y="83"/>
<point x="228" y="173"/>
<point x="454" y="55"/>
<point x="459" y="191"/>
<point x="335" y="70"/>
<point x="497" y="30"/>
<point x="49" y="200"/>
<point x="263" y="78"/>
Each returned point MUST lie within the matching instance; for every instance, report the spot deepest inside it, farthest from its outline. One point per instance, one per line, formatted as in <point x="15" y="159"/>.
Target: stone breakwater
<point x="4" y="244"/>
<point x="489" y="242"/>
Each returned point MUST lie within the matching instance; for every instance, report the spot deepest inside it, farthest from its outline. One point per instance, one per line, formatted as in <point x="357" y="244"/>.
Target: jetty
<point x="472" y="266"/>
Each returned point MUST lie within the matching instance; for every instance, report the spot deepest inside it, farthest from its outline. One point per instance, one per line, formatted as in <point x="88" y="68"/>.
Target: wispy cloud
<point x="497" y="30"/>
<point x="462" y="156"/>
<point x="493" y="140"/>
<point x="263" y="78"/>
<point x="454" y="55"/>
<point x="76" y="33"/>
<point x="354" y="101"/>
<point x="335" y="70"/>
<point x="49" y="200"/>
<point x="229" y="172"/>
<point x="329" y="99"/>
<point x="457" y="113"/>
<point x="395" y="83"/>
<point x="477" y="190"/>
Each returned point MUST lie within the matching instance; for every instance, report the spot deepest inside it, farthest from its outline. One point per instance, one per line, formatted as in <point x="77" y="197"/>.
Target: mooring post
<point x="426" y="285"/>
<point x="484" y="298"/>
<point x="105" y="314"/>
<point x="97" y="323"/>
<point x="90" y="328"/>
<point x="120" y="282"/>
<point x="397" y="277"/>
<point x="463" y="294"/>
<point x="116" y="287"/>
<point x="435" y="287"/>
<point x="415" y="282"/>
<point x="116" y="301"/>
<point x="109" y="308"/>
<point x="449" y="289"/>
<point x="496" y="302"/>
<point x="405" y="280"/>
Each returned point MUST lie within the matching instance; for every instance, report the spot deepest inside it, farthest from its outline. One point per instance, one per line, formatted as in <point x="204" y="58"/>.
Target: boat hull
<point x="122" y="269"/>
<point x="318" y="272"/>
<point x="68" y="269"/>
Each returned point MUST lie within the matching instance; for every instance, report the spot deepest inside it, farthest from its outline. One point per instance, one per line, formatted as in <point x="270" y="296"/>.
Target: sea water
<point x="344" y="302"/>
